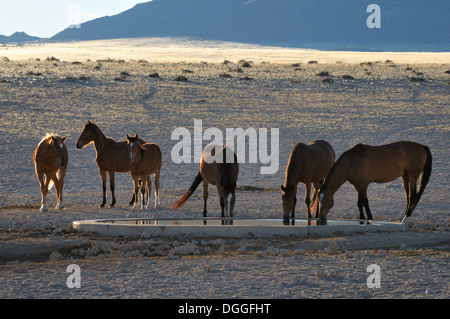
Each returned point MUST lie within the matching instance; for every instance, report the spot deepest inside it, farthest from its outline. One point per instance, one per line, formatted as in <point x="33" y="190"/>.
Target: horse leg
<point x="135" y="189"/>
<point x="146" y="189"/>
<point x="62" y="173"/>
<point x="317" y="186"/>
<point x="103" y="176"/>
<point x="307" y="200"/>
<point x="157" y="188"/>
<point x="412" y="196"/>
<point x="366" y="206"/>
<point x="205" y="197"/>
<point x="55" y="180"/>
<point x="44" y="190"/>
<point x="133" y="199"/>
<point x="112" y="186"/>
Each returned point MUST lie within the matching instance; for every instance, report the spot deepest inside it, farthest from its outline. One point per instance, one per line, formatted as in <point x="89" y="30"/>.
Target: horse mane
<point x="352" y="155"/>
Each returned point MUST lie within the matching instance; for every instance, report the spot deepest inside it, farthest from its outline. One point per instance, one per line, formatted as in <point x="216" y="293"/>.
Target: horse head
<point x="326" y="202"/>
<point x="87" y="135"/>
<point x="59" y="149"/>
<point x="288" y="199"/>
<point x="134" y="147"/>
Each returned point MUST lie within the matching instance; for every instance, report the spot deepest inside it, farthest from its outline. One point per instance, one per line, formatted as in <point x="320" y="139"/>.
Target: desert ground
<point x="153" y="86"/>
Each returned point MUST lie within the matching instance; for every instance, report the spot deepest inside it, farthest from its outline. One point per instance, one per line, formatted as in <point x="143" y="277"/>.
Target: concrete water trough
<point x="241" y="227"/>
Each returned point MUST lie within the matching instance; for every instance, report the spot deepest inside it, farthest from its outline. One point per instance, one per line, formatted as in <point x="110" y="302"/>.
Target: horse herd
<point x="312" y="164"/>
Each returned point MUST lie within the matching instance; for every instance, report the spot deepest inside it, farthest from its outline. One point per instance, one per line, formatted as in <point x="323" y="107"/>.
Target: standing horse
<point x="111" y="156"/>
<point x="364" y="164"/>
<point x="217" y="168"/>
<point x="145" y="159"/>
<point x="50" y="160"/>
<point x="308" y="164"/>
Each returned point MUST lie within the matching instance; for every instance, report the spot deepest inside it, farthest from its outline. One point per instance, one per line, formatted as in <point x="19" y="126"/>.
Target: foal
<point x="145" y="159"/>
<point x="50" y="158"/>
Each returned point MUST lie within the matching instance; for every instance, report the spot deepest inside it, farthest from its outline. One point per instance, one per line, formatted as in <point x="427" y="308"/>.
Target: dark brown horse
<point x="111" y="156"/>
<point x="145" y="159"/>
<point x="364" y="164"/>
<point x="50" y="160"/>
<point x="308" y="164"/>
<point x="218" y="168"/>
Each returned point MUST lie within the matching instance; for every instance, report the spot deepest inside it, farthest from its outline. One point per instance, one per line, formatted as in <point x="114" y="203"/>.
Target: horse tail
<point x="185" y="197"/>
<point x="425" y="178"/>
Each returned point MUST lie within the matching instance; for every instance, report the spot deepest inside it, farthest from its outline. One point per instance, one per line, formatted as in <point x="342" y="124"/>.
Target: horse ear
<point x="53" y="139"/>
<point x="64" y="138"/>
<point x="128" y="137"/>
<point x="136" y="136"/>
<point x="283" y="189"/>
<point x="89" y="122"/>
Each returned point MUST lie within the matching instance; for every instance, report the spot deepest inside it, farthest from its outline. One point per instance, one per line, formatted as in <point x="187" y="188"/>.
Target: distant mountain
<point x="18" y="37"/>
<point x="413" y="25"/>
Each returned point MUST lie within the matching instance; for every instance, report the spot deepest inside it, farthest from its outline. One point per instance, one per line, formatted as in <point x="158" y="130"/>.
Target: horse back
<point x="387" y="162"/>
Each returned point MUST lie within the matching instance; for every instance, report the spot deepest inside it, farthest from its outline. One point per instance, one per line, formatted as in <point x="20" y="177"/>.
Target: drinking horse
<point x="145" y="159"/>
<point x="50" y="162"/>
<point x="218" y="168"/>
<point x="111" y="156"/>
<point x="308" y="164"/>
<point x="364" y="164"/>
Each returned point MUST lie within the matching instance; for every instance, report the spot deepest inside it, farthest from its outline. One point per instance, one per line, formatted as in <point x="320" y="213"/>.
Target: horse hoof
<point x="43" y="209"/>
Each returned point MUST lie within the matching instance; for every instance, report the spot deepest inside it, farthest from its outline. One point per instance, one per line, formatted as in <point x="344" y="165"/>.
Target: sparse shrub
<point x="154" y="75"/>
<point x="181" y="78"/>
<point x="323" y="73"/>
<point x="312" y="62"/>
<point x="53" y="59"/>
<point x="447" y="72"/>
<point x="347" y="77"/>
<point x="416" y="79"/>
<point x="124" y="73"/>
<point x="225" y="75"/>
<point x="245" y="64"/>
<point x="187" y="71"/>
<point x="327" y="80"/>
<point x="225" y="62"/>
<point x="97" y="67"/>
<point x="246" y="78"/>
<point x="34" y="73"/>
<point x="77" y="62"/>
<point x="296" y="65"/>
<point x="78" y="78"/>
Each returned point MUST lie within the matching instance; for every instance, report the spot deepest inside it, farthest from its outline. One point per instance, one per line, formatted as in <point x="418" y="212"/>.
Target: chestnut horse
<point x="50" y="160"/>
<point x="111" y="156"/>
<point x="308" y="164"/>
<point x="145" y="159"/>
<point x="218" y="168"/>
<point x="364" y="164"/>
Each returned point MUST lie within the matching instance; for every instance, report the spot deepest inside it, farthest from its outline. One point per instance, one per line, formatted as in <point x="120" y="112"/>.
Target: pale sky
<point x="45" y="18"/>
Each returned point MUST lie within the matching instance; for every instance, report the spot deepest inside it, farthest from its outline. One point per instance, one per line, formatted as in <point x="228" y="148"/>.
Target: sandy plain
<point x="133" y="86"/>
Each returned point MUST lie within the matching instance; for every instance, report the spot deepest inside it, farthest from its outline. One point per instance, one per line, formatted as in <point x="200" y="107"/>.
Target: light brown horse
<point x="308" y="164"/>
<point x="364" y="164"/>
<point x="145" y="159"/>
<point x="50" y="160"/>
<point x="218" y="168"/>
<point x="111" y="156"/>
